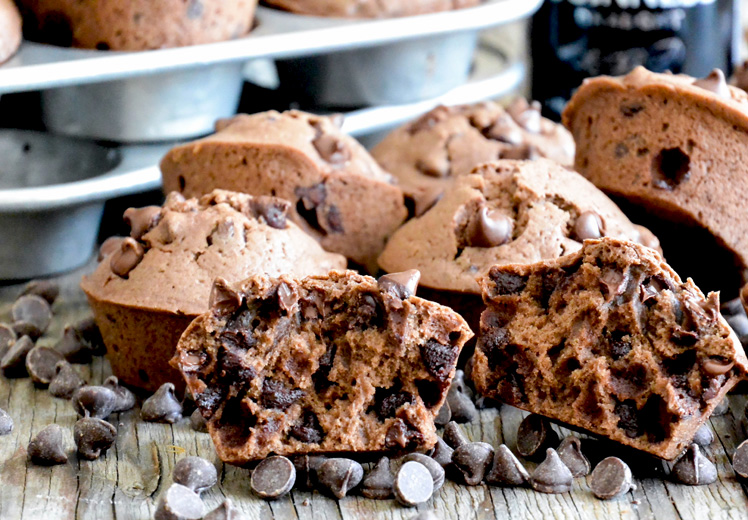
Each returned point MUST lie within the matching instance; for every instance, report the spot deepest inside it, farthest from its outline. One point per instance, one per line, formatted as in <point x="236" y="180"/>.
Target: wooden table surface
<point x="125" y="483"/>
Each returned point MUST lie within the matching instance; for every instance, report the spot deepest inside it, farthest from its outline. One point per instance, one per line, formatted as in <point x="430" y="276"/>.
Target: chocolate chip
<point x="273" y="210"/>
<point x="338" y="476"/>
<point x="722" y="408"/>
<point x="287" y="297"/>
<point x="306" y="470"/>
<point x="142" y="220"/>
<point x="703" y="436"/>
<point x="7" y="338"/>
<point x="588" y="225"/>
<point x="197" y="422"/>
<point x="332" y="149"/>
<point x="551" y="475"/>
<point x="41" y="363"/>
<point x="14" y="360"/>
<point x="31" y="316"/>
<point x="413" y="484"/>
<point x="163" y="406"/>
<point x="472" y="460"/>
<point x="379" y="481"/>
<point x="401" y="436"/>
<point x="179" y="503"/>
<point x="694" y="469"/>
<point x="436" y="469"/>
<point x="47" y="289"/>
<point x="506" y="282"/>
<point x="714" y="82"/>
<point x="485" y="403"/>
<point x="73" y="347"/>
<point x="226" y="511"/>
<point x="534" y="436"/>
<point x="275" y="395"/>
<point x="125" y="399"/>
<point x="400" y="285"/>
<point x="491" y="228"/>
<point x="740" y="460"/>
<point x="195" y="473"/>
<point x="454" y="436"/>
<point x="89" y="331"/>
<point x="442" y="453"/>
<point x="526" y="115"/>
<point x="126" y="258"/>
<point x="505" y="130"/>
<point x="444" y="415"/>
<point x="716" y="366"/>
<point x="6" y="422"/>
<point x="65" y="381"/>
<point x="427" y="199"/>
<point x="462" y="407"/>
<point x="439" y="359"/>
<point x="93" y="437"/>
<point x="109" y="246"/>
<point x="611" y="479"/>
<point x="570" y="452"/>
<point x="47" y="449"/>
<point x="308" y="430"/>
<point x="94" y="401"/>
<point x="506" y="470"/>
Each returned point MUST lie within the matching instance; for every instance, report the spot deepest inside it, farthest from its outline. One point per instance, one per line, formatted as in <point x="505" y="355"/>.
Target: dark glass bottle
<point x="576" y="39"/>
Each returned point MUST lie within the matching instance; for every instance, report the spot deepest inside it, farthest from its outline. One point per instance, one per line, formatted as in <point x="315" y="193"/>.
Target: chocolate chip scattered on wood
<point x="6" y="422"/>
<point x="31" y="316"/>
<point x="94" y="401"/>
<point x="197" y="422"/>
<point x="703" y="436"/>
<point x="461" y="406"/>
<point x="740" y="460"/>
<point x="89" y="331"/>
<point x="47" y="289"/>
<point x="506" y="469"/>
<point x="444" y="415"/>
<point x="273" y="478"/>
<point x="694" y="469"/>
<point x="41" y="365"/>
<point x="196" y="473"/>
<point x="436" y="469"/>
<point x="338" y="476"/>
<point x="125" y="399"/>
<point x="163" y="406"/>
<point x="378" y="483"/>
<point x="454" y="436"/>
<point x="47" y="447"/>
<point x="413" y="484"/>
<point x="551" y="475"/>
<point x="66" y="381"/>
<point x="179" y="503"/>
<point x="14" y="360"/>
<point x="442" y="453"/>
<point x="611" y="478"/>
<point x="570" y="452"/>
<point x="7" y="338"/>
<point x="472" y="461"/>
<point x="722" y="408"/>
<point x="93" y="437"/>
<point x="306" y="470"/>
<point x="73" y="347"/>
<point x="534" y="437"/>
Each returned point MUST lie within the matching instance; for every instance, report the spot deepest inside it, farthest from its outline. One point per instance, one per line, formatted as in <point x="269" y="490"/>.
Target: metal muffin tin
<point x="52" y="189"/>
<point x="52" y="194"/>
<point x="177" y="93"/>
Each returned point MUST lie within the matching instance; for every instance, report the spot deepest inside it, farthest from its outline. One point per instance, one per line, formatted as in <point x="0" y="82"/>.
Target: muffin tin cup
<point x="402" y="72"/>
<point x="140" y="342"/>
<point x="167" y="106"/>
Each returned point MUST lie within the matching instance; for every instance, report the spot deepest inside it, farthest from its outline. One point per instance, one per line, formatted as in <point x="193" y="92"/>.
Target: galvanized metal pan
<point x="278" y="35"/>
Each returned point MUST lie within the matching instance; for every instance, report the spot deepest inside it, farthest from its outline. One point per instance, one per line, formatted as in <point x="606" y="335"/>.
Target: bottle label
<point x="576" y="39"/>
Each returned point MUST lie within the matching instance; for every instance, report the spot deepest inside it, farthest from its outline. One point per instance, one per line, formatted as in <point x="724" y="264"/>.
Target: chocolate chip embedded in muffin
<point x="617" y="345"/>
<point x="319" y="393"/>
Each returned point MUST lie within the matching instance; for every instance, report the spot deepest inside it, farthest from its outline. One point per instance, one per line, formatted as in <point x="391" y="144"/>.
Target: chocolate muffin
<point x="136" y="25"/>
<point x="504" y="212"/>
<point x="150" y="286"/>
<point x="672" y="150"/>
<point x="339" y="193"/>
<point x="369" y="8"/>
<point x="610" y="340"/>
<point x="10" y="29"/>
<point x="328" y="364"/>
<point x="427" y="154"/>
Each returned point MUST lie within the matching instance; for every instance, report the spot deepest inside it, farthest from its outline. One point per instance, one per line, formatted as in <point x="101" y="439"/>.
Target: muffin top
<point x="175" y="252"/>
<point x="448" y="141"/>
<point x="505" y="212"/>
